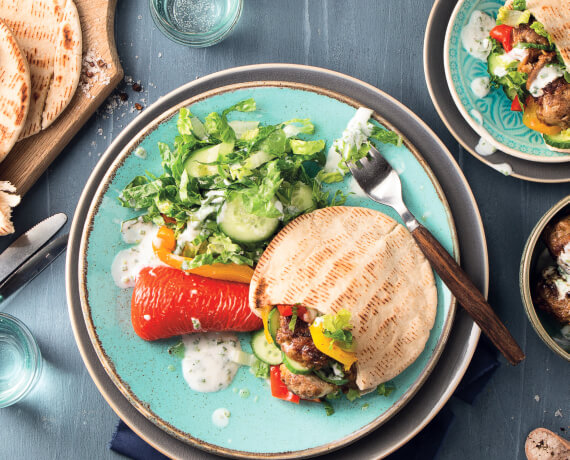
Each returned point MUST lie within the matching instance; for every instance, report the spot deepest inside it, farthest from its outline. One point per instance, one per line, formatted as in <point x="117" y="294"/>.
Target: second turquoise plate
<point x="490" y="116"/>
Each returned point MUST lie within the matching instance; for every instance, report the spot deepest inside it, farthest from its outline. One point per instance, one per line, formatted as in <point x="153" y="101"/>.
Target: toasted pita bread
<point x="49" y="33"/>
<point x="365" y="262"/>
<point x="555" y="17"/>
<point x="8" y="199"/>
<point x="14" y="90"/>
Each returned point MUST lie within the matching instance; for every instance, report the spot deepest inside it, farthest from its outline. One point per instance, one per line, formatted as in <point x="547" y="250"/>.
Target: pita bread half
<point x="555" y="17"/>
<point x="14" y="90"/>
<point x="49" y="33"/>
<point x="361" y="260"/>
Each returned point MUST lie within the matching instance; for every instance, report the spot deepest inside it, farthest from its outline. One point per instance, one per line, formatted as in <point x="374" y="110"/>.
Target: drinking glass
<point x="196" y="23"/>
<point x="20" y="360"/>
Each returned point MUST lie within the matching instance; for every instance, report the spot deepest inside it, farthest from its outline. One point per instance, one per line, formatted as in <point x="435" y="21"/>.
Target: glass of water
<point x="197" y="23"/>
<point x="20" y="360"/>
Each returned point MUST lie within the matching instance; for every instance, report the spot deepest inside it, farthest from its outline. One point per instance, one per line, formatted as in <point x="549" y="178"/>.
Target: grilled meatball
<point x="298" y="344"/>
<point x="552" y="294"/>
<point x="305" y="386"/>
<point x="542" y="59"/>
<point x="554" y="104"/>
<point x="556" y="235"/>
<point x="523" y="33"/>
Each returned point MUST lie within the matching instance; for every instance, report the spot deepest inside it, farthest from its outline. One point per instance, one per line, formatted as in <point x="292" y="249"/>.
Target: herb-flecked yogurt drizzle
<point x="207" y="364"/>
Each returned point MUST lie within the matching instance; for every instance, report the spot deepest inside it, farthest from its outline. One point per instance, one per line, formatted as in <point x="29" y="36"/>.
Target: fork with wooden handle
<point x="381" y="183"/>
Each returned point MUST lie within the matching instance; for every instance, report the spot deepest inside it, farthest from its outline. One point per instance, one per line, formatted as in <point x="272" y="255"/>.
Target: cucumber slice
<point x="302" y="196"/>
<point x="265" y="351"/>
<point x="295" y="366"/>
<point x="242" y="226"/>
<point x="241" y="128"/>
<point x="195" y="166"/>
<point x="498" y="64"/>
<point x="559" y="141"/>
<point x="273" y="321"/>
<point x="330" y="378"/>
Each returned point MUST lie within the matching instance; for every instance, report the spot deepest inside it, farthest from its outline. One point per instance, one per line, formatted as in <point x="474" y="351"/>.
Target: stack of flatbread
<point x="40" y="66"/>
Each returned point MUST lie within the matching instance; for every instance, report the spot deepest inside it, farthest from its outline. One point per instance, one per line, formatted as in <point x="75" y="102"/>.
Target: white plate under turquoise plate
<point x="499" y="125"/>
<point x="151" y="379"/>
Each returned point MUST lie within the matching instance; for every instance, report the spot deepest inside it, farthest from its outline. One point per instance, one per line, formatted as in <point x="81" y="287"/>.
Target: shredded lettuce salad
<point x="266" y="166"/>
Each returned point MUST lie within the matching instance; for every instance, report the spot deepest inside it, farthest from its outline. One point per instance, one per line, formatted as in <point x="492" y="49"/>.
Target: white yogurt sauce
<point x="475" y="35"/>
<point x="560" y="278"/>
<point x="503" y="168"/>
<point x="545" y="76"/>
<point x="476" y="116"/>
<point x="207" y="364"/>
<point x="480" y="86"/>
<point x="140" y="152"/>
<point x="356" y="133"/>
<point x="129" y="262"/>
<point x="564" y="259"/>
<point x="221" y="417"/>
<point x="484" y="148"/>
<point x="333" y="158"/>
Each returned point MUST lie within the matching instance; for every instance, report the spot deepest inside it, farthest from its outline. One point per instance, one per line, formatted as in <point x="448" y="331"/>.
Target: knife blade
<point x="28" y="243"/>
<point x="33" y="267"/>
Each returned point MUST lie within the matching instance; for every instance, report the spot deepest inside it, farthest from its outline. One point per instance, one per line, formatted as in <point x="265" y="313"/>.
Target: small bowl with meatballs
<point x="545" y="278"/>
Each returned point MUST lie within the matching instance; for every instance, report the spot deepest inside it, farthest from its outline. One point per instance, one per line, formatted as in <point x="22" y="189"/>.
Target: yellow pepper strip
<point x="165" y="243"/>
<point x="264" y="317"/>
<point x="531" y="120"/>
<point x="323" y="344"/>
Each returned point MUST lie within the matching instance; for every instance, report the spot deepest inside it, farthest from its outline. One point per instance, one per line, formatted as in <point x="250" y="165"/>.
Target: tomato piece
<point x="287" y="310"/>
<point x="279" y="389"/>
<point x="516" y="105"/>
<point x="504" y="34"/>
<point x="167" y="302"/>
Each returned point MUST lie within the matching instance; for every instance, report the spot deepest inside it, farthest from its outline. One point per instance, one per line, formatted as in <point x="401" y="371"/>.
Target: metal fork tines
<point x="381" y="183"/>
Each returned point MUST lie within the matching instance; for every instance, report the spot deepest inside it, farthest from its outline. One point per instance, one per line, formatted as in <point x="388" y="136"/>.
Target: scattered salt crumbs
<point x="536" y="398"/>
<point x="558" y="413"/>
<point x="93" y="72"/>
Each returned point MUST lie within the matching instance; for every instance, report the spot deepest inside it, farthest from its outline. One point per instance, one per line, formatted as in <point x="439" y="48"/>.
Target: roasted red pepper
<point x="516" y="105"/>
<point x="279" y="389"/>
<point x="168" y="302"/>
<point x="287" y="310"/>
<point x="503" y="34"/>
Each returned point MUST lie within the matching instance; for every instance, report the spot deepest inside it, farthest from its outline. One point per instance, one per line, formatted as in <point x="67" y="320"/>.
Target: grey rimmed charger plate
<point x="464" y="335"/>
<point x="449" y="113"/>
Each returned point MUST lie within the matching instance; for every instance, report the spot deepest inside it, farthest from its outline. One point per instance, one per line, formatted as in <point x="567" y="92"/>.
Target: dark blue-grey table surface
<point x="379" y="42"/>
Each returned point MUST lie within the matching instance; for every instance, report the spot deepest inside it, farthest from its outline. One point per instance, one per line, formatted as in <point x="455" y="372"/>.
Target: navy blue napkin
<point x="423" y="446"/>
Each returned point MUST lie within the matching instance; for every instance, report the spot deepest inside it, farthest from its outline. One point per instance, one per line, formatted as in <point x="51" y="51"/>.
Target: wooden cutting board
<point x="30" y="157"/>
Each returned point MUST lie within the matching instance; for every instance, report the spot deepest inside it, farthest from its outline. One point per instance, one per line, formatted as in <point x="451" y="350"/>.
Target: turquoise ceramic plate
<point x="151" y="379"/>
<point x="491" y="116"/>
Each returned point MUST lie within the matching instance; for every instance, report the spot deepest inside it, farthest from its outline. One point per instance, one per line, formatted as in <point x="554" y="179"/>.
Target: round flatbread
<point x="14" y="90"/>
<point x="49" y="33"/>
<point x="363" y="261"/>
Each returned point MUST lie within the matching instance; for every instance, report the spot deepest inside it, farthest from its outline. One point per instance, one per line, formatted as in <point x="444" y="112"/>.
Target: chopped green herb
<point x="260" y="369"/>
<point x="337" y="327"/>
<point x="385" y="390"/>
<point x="352" y="394"/>
<point x="293" y="320"/>
<point x="177" y="350"/>
<point x="328" y="407"/>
